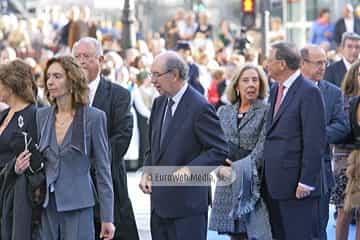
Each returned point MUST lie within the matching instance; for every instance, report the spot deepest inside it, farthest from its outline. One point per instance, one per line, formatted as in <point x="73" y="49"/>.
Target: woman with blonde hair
<point x="73" y="138"/>
<point x="238" y="208"/>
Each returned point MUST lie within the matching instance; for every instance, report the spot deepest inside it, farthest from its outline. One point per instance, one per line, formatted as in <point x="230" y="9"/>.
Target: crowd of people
<point x="283" y="128"/>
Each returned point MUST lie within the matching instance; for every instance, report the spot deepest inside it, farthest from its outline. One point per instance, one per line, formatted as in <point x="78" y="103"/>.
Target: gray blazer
<point x="74" y="188"/>
<point x="249" y="135"/>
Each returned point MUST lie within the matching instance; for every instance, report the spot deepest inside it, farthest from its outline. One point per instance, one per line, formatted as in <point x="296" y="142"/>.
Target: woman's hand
<point x="22" y="162"/>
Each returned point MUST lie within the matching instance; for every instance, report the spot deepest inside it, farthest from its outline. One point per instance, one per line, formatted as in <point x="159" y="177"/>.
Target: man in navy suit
<point x="184" y="132"/>
<point x="350" y="45"/>
<point x="294" y="146"/>
<point x="312" y="66"/>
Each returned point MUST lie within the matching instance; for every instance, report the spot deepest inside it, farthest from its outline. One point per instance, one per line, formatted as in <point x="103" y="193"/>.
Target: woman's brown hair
<point x="18" y="76"/>
<point x="76" y="81"/>
<point x="350" y="86"/>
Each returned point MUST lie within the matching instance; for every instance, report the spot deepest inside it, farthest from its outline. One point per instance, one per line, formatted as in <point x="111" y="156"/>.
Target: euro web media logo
<point x="187" y="176"/>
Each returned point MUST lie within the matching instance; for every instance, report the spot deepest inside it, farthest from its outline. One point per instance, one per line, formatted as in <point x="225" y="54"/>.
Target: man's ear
<point x="175" y="73"/>
<point x="101" y="60"/>
<point x="283" y="64"/>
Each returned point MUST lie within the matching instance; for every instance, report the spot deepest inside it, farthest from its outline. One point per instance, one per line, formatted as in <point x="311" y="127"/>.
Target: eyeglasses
<point x="319" y="63"/>
<point x="157" y="75"/>
<point x="84" y="56"/>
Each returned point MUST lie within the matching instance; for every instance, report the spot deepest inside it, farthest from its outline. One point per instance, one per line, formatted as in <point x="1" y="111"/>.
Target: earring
<point x="237" y="92"/>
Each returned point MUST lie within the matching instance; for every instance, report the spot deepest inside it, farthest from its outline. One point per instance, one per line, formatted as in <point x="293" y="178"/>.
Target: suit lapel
<point x="233" y="118"/>
<point x="273" y="93"/>
<point x="248" y="116"/>
<point x="157" y="128"/>
<point x="341" y="73"/>
<point x="177" y="120"/>
<point x="325" y="98"/>
<point x="101" y="94"/>
<point x="288" y="97"/>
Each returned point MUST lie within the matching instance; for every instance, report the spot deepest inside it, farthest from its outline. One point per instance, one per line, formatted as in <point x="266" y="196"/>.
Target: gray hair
<point x="349" y="35"/>
<point x="174" y="61"/>
<point x="305" y="51"/>
<point x="89" y="40"/>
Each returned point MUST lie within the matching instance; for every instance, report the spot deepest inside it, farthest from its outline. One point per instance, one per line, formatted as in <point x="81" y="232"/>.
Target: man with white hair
<point x="348" y="23"/>
<point x="114" y="100"/>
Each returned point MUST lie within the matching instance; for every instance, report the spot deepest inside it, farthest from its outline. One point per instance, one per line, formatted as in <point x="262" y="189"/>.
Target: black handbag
<point x="35" y="174"/>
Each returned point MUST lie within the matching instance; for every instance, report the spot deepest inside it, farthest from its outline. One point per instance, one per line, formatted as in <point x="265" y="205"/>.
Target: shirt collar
<point x="93" y="85"/>
<point x="291" y="79"/>
<point x="179" y="94"/>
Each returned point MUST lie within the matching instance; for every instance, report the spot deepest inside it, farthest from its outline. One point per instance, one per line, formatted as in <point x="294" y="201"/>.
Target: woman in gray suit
<point x="73" y="139"/>
<point x="238" y="209"/>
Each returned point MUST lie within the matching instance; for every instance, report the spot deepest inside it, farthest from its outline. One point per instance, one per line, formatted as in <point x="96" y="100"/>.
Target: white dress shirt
<point x="93" y="85"/>
<point x="349" y="24"/>
<point x="178" y="97"/>
<point x="347" y="64"/>
<point x="289" y="82"/>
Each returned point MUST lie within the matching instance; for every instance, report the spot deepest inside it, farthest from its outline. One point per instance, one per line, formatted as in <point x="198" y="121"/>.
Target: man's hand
<point x="184" y="171"/>
<point x="181" y="174"/>
<point x="226" y="171"/>
<point x="145" y="183"/>
<point x="302" y="192"/>
<point x="107" y="231"/>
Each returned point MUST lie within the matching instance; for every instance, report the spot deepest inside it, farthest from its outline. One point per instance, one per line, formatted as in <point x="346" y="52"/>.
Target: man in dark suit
<point x="312" y="66"/>
<point x="184" y="133"/>
<point x="294" y="146"/>
<point x="348" y="23"/>
<point x="350" y="45"/>
<point x="114" y="100"/>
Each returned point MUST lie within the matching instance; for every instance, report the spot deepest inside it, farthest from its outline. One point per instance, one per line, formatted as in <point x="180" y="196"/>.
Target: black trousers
<point x="290" y="219"/>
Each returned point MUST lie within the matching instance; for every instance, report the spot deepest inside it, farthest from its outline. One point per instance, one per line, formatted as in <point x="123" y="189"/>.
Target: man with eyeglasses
<point x="350" y="46"/>
<point x="184" y="132"/>
<point x="312" y="66"/>
<point x="294" y="146"/>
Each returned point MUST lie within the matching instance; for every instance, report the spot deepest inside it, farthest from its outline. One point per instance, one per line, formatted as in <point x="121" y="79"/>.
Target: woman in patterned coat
<point x="238" y="209"/>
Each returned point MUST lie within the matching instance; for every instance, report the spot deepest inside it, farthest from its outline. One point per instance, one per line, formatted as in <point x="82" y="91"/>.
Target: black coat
<point x="335" y="73"/>
<point x="340" y="28"/>
<point x="16" y="191"/>
<point x="114" y="100"/>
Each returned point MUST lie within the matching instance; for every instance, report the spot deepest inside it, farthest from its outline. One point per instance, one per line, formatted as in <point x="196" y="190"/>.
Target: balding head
<point x="348" y="11"/>
<point x="313" y="62"/>
<point x="173" y="61"/>
<point x="169" y="71"/>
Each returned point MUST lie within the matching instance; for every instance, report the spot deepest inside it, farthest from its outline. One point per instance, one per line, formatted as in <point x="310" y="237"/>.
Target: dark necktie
<point x="167" y="119"/>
